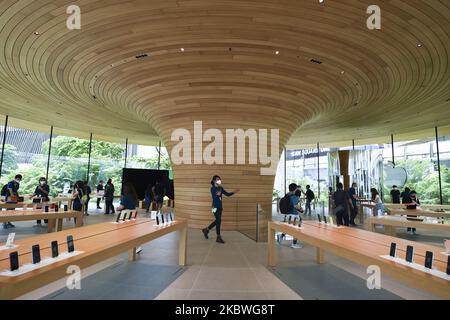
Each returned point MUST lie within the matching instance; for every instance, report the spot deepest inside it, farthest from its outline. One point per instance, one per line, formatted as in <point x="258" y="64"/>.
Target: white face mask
<point x="42" y="183"/>
<point x="17" y="180"/>
<point x="219" y="182"/>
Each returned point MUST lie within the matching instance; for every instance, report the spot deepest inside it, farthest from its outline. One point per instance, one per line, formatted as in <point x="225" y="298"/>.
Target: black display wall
<point x="141" y="178"/>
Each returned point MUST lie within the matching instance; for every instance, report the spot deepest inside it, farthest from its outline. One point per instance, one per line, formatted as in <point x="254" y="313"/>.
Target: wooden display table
<point x="422" y="206"/>
<point x="419" y="213"/>
<point x="393" y="222"/>
<point x="61" y="199"/>
<point x="55" y="219"/>
<point x="97" y="243"/>
<point x="19" y="205"/>
<point x="366" y="248"/>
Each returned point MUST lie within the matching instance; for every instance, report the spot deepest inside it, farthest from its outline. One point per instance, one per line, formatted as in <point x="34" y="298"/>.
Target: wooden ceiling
<point x="248" y="62"/>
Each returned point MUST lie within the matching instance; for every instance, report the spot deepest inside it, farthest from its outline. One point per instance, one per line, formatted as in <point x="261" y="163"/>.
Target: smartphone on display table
<point x="157" y="220"/>
<point x="129" y="216"/>
<point x="325" y="219"/>
<point x="55" y="251"/>
<point x="320" y="219"/>
<point x="393" y="249"/>
<point x="429" y="259"/>
<point x="36" y="252"/>
<point x="70" y="245"/>
<point x="14" y="260"/>
<point x="409" y="253"/>
<point x="118" y="217"/>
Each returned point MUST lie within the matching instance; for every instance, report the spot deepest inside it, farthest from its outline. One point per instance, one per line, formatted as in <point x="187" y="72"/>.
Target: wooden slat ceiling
<point x="370" y="82"/>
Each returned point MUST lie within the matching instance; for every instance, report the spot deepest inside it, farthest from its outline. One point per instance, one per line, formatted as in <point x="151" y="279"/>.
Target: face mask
<point x="219" y="182"/>
<point x="17" y="180"/>
<point x="42" y="183"/>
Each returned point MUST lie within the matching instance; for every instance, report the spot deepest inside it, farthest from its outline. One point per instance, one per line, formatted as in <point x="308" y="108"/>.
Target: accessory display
<point x="393" y="249"/>
<point x="124" y="214"/>
<point x="118" y="217"/>
<point x="428" y="259"/>
<point x="65" y="207"/>
<point x="55" y="251"/>
<point x="129" y="215"/>
<point x="70" y="245"/>
<point x="10" y="240"/>
<point x="409" y="253"/>
<point x="157" y="220"/>
<point x="36" y="251"/>
<point x="46" y="208"/>
<point x="162" y="218"/>
<point x="14" y="260"/>
<point x="56" y="208"/>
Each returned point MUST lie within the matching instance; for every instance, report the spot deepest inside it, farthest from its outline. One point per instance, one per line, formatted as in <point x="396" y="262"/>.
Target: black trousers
<point x="216" y="223"/>
<point x="86" y="205"/>
<point x="353" y="213"/>
<point x="342" y="217"/>
<point x="98" y="202"/>
<point x="109" y="205"/>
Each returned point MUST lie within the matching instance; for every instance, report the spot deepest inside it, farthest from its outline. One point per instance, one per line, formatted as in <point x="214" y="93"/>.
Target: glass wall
<point x="444" y="155"/>
<point x="24" y="154"/>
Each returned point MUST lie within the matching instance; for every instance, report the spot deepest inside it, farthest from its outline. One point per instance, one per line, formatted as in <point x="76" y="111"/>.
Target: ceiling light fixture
<point x="342" y="72"/>
<point x="182" y="49"/>
<point x="419" y="45"/>
<point x="36" y="33"/>
<point x="277" y="52"/>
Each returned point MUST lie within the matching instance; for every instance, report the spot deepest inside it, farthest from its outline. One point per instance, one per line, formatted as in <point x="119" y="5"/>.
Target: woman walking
<point x="216" y="192"/>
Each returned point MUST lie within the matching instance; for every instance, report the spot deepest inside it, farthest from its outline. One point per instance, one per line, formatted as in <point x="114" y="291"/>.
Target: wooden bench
<point x="98" y="242"/>
<point x="393" y="222"/>
<point x="55" y="219"/>
<point x="366" y="248"/>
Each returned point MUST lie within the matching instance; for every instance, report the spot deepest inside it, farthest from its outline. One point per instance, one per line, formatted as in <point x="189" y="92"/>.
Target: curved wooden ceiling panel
<point x="249" y="59"/>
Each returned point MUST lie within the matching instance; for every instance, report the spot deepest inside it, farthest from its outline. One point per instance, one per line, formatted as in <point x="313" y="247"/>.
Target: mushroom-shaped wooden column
<point x="203" y="129"/>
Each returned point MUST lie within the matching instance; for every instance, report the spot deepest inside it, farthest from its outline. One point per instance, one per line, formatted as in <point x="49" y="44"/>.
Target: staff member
<point x="216" y="192"/>
<point x="11" y="194"/>
<point x="109" y="197"/>
<point x="41" y="192"/>
<point x="353" y="205"/>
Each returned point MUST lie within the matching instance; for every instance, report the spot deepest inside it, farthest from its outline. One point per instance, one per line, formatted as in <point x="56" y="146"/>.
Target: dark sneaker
<point x="219" y="239"/>
<point x="205" y="232"/>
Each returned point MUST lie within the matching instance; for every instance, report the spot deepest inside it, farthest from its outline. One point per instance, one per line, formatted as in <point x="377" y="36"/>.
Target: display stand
<point x="416" y="266"/>
<point x="28" y="267"/>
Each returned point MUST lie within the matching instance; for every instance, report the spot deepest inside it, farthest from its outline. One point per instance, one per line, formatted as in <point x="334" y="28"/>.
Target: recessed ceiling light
<point x="342" y="72"/>
<point x="277" y="52"/>
<point x="182" y="49"/>
<point x="36" y="33"/>
<point x="321" y="1"/>
<point x="419" y="45"/>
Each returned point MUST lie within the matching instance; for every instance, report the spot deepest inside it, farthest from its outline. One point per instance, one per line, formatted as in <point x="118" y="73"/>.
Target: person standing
<point x="216" y="192"/>
<point x="88" y="191"/>
<point x="354" y="207"/>
<point x="159" y="192"/>
<point x="42" y="192"/>
<point x="100" y="193"/>
<point x="341" y="203"/>
<point x="395" y="194"/>
<point x="412" y="202"/>
<point x="309" y="198"/>
<point x="405" y="195"/>
<point x="77" y="196"/>
<point x="377" y="200"/>
<point x="11" y="193"/>
<point x="109" y="197"/>
<point x="148" y="198"/>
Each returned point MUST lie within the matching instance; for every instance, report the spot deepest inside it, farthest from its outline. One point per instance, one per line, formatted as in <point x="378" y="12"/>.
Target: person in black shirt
<point x="341" y="201"/>
<point x="100" y="189"/>
<point x="309" y="198"/>
<point x="41" y="194"/>
<point x="11" y="193"/>
<point x="158" y="194"/>
<point x="412" y="202"/>
<point x="405" y="195"/>
<point x="395" y="194"/>
<point x="109" y="197"/>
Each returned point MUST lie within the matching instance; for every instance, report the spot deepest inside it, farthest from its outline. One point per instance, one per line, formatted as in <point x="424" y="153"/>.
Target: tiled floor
<point x="234" y="270"/>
